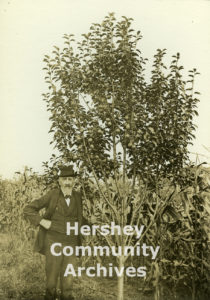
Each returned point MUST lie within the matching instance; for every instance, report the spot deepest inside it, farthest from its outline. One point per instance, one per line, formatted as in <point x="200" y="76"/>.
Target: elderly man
<point x="61" y="205"/>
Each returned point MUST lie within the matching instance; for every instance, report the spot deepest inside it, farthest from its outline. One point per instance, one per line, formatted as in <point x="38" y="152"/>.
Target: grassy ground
<point x="21" y="271"/>
<point x="22" y="276"/>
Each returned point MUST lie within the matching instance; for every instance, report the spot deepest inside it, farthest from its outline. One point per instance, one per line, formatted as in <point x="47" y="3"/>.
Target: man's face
<point x="67" y="182"/>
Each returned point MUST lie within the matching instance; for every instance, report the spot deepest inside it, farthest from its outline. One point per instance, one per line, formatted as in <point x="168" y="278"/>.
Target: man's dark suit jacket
<point x="53" y="201"/>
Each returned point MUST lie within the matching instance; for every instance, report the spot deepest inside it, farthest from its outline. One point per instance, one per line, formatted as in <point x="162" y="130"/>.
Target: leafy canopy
<point x="105" y="115"/>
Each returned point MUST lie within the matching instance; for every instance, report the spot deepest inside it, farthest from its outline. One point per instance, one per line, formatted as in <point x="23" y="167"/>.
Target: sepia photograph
<point x="105" y="150"/>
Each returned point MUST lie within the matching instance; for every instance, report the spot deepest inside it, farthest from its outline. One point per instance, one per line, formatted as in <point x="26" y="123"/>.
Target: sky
<point x="28" y="31"/>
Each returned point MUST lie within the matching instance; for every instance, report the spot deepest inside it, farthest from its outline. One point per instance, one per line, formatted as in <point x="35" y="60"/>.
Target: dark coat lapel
<point x="52" y="204"/>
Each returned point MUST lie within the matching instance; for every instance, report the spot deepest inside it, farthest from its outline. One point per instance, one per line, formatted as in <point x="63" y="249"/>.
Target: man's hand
<point x="45" y="223"/>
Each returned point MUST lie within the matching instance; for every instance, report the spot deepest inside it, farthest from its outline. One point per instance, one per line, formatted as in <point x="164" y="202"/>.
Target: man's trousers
<point x="55" y="267"/>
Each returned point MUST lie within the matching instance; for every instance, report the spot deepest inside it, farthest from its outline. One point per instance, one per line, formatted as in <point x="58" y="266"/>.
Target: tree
<point x="116" y="126"/>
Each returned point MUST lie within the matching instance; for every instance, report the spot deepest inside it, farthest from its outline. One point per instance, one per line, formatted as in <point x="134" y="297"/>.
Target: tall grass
<point x="22" y="273"/>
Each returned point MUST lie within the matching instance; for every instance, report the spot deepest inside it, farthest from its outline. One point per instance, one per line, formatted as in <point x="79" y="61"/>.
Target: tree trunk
<point x="120" y="281"/>
<point x="193" y="289"/>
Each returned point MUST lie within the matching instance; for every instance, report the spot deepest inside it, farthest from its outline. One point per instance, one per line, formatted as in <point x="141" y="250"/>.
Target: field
<point x="182" y="271"/>
<point x="22" y="276"/>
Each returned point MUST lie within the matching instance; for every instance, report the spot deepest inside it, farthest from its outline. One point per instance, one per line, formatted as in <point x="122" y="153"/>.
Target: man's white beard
<point x="67" y="190"/>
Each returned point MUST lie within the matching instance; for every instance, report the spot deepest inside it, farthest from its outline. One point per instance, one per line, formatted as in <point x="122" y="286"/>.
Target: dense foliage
<point x="106" y="116"/>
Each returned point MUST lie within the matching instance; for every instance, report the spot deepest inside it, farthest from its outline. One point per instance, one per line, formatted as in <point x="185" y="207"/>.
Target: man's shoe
<point x="50" y="295"/>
